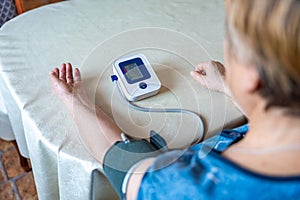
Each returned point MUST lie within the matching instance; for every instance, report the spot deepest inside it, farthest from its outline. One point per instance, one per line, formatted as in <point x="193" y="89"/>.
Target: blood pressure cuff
<point x="122" y="156"/>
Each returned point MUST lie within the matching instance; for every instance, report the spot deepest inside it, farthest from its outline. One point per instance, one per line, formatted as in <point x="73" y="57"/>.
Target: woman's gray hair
<point x="266" y="34"/>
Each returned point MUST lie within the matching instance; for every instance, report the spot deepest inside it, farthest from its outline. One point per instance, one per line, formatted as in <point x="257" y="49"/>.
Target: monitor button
<point x="143" y="85"/>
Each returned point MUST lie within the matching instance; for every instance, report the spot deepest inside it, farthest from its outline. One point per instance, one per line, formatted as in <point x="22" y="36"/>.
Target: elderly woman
<point x="262" y="59"/>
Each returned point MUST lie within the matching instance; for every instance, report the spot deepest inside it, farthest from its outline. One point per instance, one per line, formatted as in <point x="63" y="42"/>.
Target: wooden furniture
<point x="25" y="5"/>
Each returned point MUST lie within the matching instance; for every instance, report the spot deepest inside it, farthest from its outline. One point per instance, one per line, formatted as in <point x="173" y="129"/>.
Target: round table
<point x="173" y="35"/>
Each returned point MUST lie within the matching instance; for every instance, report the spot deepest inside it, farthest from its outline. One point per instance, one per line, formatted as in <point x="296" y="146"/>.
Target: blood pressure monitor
<point x="136" y="78"/>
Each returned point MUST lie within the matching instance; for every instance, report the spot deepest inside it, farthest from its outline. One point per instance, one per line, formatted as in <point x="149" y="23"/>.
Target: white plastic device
<point x="142" y="82"/>
<point x="137" y="79"/>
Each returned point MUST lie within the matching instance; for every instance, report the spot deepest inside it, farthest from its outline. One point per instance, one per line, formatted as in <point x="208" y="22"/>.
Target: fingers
<point x="198" y="76"/>
<point x="54" y="78"/>
<point x="210" y="67"/>
<point x="199" y="72"/>
<point x="77" y="76"/>
<point x="65" y="74"/>
<point x="62" y="72"/>
<point x="54" y="73"/>
<point x="69" y="73"/>
<point x="208" y="72"/>
<point x="202" y="68"/>
<point x="221" y="68"/>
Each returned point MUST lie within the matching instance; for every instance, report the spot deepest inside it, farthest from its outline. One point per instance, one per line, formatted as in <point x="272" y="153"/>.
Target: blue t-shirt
<point x="202" y="173"/>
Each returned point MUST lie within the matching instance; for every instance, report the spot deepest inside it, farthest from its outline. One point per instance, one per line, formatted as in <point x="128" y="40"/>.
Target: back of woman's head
<point x="266" y="34"/>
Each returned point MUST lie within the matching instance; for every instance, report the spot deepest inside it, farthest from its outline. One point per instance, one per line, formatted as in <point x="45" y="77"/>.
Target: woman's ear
<point x="252" y="81"/>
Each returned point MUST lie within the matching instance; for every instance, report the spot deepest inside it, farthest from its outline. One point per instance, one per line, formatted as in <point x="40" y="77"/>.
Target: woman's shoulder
<point x="202" y="171"/>
<point x="186" y="175"/>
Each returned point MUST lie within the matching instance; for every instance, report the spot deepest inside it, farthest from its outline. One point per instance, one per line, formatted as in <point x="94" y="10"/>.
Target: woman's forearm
<point x="97" y="130"/>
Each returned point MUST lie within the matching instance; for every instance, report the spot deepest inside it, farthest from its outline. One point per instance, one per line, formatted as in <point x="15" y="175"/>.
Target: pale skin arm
<point x="96" y="129"/>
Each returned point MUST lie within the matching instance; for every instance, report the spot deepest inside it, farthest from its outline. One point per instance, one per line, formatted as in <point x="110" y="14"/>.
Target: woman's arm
<point x="97" y="131"/>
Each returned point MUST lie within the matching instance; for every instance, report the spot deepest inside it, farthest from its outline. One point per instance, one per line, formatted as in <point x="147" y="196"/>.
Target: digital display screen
<point x="133" y="72"/>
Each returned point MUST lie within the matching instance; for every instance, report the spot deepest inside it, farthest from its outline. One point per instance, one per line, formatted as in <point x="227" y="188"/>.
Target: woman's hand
<point x="67" y="86"/>
<point x="211" y="75"/>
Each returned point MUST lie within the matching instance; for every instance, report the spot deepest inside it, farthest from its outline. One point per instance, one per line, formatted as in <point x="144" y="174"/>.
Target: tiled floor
<point x="15" y="182"/>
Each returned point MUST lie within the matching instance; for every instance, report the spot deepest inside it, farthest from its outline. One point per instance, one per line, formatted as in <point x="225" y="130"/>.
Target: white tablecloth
<point x="5" y="127"/>
<point x="90" y="34"/>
